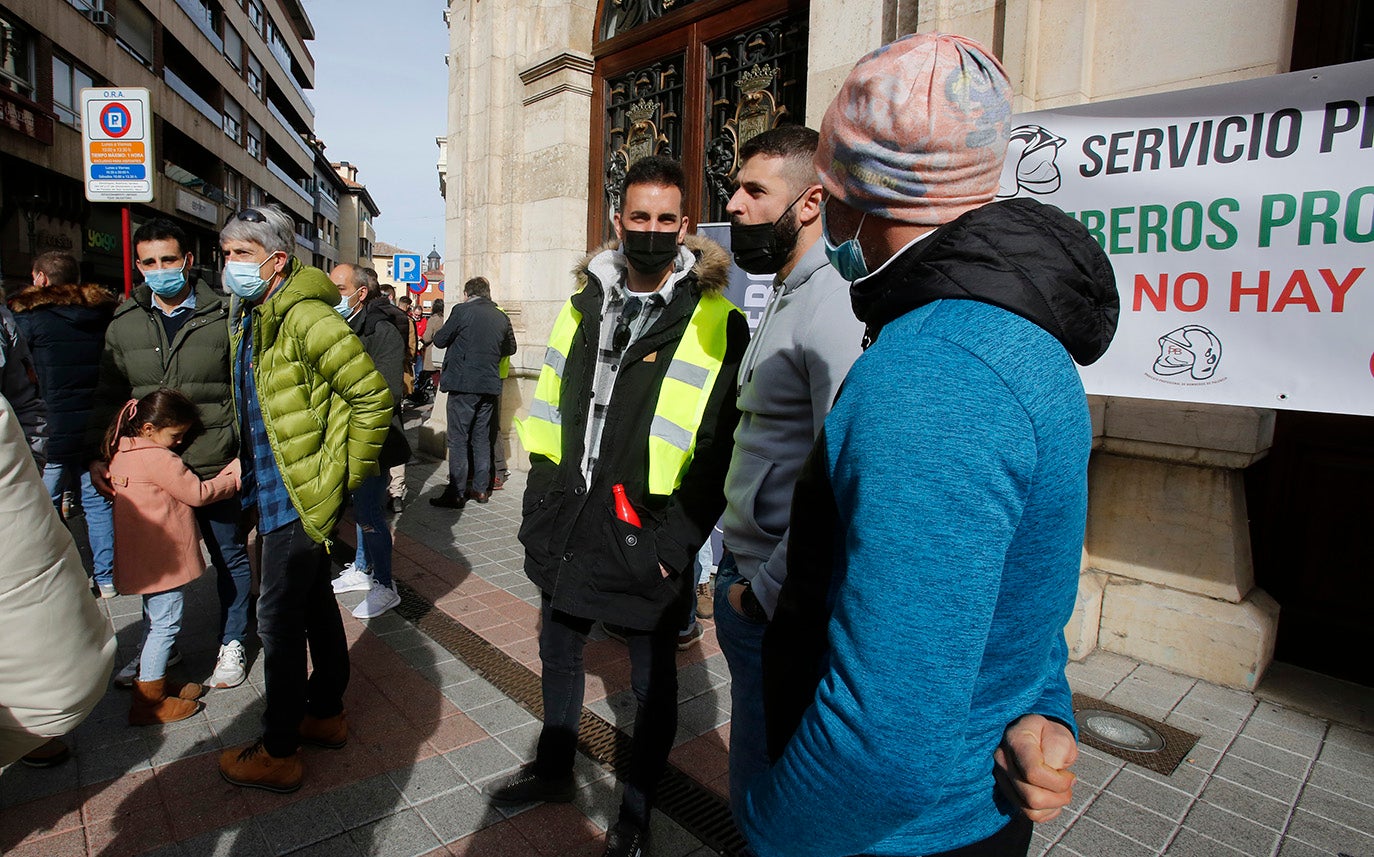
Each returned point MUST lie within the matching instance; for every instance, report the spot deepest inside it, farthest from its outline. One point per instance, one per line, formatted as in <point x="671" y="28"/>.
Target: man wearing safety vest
<point x="629" y="434"/>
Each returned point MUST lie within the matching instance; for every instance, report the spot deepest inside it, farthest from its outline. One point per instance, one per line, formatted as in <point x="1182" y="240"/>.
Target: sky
<point x="381" y="97"/>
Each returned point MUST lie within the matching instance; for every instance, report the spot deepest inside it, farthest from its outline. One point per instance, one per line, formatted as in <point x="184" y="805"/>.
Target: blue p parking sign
<point x="405" y="267"/>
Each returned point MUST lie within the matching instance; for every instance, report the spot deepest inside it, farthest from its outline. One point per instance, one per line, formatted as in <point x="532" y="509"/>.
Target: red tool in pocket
<point x="623" y="510"/>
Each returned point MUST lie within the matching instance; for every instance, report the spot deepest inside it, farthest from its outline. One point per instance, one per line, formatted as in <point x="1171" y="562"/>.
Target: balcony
<point x="290" y="131"/>
<point x="182" y="88"/>
<point x="290" y="182"/>
<point x="199" y="15"/>
<point x="283" y="59"/>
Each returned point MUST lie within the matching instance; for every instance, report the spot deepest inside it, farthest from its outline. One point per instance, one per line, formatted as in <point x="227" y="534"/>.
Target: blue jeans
<point x="741" y="640"/>
<point x="161" y="622"/>
<point x="374" y="536"/>
<point x="220" y="527"/>
<point x="58" y="478"/>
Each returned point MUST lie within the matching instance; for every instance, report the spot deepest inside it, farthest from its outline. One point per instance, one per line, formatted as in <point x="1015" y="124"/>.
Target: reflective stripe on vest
<point x="542" y="431"/>
<point x="682" y="398"/>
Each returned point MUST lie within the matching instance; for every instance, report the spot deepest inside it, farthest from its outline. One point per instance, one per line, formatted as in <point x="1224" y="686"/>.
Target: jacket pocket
<point x="753" y="511"/>
<point x="632" y="564"/>
<point x="539" y="513"/>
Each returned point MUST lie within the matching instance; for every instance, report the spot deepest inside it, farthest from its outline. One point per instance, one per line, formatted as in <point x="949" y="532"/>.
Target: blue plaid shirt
<point x="262" y="483"/>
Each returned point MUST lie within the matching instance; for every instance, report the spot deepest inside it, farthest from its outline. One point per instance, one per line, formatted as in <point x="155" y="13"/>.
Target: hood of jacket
<point x="88" y="295"/>
<point x="712" y="268"/>
<point x="1028" y="258"/>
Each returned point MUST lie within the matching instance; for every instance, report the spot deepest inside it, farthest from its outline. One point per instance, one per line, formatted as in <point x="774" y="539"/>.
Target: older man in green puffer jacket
<point x="313" y="412"/>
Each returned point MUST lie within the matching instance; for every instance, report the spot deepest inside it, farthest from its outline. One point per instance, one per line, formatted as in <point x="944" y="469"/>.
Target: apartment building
<point x="232" y="126"/>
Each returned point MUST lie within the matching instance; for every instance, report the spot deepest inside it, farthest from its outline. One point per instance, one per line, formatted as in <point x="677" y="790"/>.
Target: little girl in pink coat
<point x="157" y="541"/>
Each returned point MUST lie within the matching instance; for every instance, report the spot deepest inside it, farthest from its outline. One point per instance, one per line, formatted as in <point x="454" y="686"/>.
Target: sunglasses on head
<point x="620" y="337"/>
<point x="251" y="215"/>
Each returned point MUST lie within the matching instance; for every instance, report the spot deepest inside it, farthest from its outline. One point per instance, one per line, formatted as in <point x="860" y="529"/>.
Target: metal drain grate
<point x="1177" y="743"/>
<point x="697" y="809"/>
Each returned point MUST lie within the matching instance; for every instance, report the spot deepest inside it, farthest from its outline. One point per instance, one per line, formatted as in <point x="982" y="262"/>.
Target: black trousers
<point x="296" y="609"/>
<point x="1011" y="841"/>
<point x="470" y="418"/>
<point x="653" y="676"/>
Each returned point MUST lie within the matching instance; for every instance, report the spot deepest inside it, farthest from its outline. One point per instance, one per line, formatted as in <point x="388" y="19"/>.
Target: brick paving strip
<point x="428" y="730"/>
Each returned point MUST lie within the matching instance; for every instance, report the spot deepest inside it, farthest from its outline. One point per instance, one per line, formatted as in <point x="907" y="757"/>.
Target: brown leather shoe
<point x="253" y="767"/>
<point x="330" y="733"/>
<point x="478" y="496"/>
<point x="151" y="705"/>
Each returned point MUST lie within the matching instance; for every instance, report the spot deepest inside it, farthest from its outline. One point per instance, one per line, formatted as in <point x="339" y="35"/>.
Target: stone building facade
<point x="544" y="97"/>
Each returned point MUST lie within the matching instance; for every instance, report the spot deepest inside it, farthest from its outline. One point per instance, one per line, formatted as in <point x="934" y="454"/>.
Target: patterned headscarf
<point x="918" y="131"/>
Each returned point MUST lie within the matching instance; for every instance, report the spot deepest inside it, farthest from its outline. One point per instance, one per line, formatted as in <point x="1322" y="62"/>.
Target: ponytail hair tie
<point x="126" y="413"/>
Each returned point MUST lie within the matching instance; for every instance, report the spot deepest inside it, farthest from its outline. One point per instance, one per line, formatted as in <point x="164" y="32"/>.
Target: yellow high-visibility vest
<point x="681" y="401"/>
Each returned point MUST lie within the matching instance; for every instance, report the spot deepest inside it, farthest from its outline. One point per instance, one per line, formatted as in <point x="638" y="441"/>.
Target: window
<point x="254" y="140"/>
<point x="255" y="14"/>
<point x="233" y="47"/>
<point x="88" y="5"/>
<point x="68" y="79"/>
<point x="16" y="59"/>
<point x="233" y="119"/>
<point x="134" y="31"/>
<point x="256" y="196"/>
<point x="254" y="75"/>
<point x="233" y="186"/>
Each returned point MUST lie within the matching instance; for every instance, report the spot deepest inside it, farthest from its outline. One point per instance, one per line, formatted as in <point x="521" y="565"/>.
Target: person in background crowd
<point x="476" y="336"/>
<point x="433" y="355"/>
<point x="173" y="331"/>
<point x="19" y="384"/>
<point x="59" y="647"/>
<point x="157" y="541"/>
<point x="625" y="477"/>
<point x="937" y="528"/>
<point x="64" y="324"/>
<point x="370" y="570"/>
<point x="405" y="326"/>
<point x="313" y="415"/>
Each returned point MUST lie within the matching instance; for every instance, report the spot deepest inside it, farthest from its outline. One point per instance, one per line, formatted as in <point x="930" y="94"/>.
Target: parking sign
<point x="405" y="267"/>
<point x="117" y="144"/>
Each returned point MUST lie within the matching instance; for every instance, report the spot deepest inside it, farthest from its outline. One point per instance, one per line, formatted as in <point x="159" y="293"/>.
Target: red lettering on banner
<point x="1158" y="299"/>
<point x="1179" y="302"/>
<point x="1297" y="283"/>
<point x="1338" y="290"/>
<point x="1261" y="291"/>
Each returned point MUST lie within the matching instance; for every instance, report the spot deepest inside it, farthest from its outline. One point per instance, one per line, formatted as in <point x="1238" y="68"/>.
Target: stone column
<point x="1167" y="573"/>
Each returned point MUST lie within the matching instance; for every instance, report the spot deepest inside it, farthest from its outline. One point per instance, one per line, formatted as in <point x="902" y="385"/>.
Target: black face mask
<point x="650" y="252"/>
<point x="763" y="248"/>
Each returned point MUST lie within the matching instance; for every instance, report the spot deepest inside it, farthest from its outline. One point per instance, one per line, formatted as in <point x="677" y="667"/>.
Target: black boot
<point x="450" y="499"/>
<point x="528" y="786"/>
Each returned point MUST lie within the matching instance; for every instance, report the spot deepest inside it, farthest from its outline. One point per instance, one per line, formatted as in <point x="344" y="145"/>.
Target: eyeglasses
<point x="621" y="337"/>
<point x="251" y="215"/>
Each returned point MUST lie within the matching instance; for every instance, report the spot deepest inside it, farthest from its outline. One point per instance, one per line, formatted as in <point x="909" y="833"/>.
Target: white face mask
<point x="345" y="308"/>
<point x="245" y="278"/>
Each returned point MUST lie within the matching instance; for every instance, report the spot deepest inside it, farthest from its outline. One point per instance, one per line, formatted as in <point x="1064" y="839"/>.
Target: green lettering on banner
<point x="1271" y="217"/>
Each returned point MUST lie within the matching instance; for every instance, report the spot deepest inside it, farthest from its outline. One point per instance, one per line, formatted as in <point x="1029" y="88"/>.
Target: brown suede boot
<point x="151" y="705"/>
<point x="184" y="690"/>
<point x="254" y="767"/>
<point x="330" y="733"/>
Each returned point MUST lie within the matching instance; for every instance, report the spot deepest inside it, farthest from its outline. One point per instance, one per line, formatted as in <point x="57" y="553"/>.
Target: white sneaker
<point x="379" y="600"/>
<point x="230" y="668"/>
<point x="125" y="677"/>
<point x="352" y="579"/>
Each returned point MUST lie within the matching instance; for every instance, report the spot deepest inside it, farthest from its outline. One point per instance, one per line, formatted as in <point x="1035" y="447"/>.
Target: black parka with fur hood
<point x="577" y="551"/>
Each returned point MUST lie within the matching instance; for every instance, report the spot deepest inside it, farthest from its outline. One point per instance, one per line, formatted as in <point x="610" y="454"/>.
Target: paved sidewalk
<point x="427" y="732"/>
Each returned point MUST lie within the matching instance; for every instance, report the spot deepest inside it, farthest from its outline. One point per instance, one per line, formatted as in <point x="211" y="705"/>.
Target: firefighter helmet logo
<point x="1030" y="164"/>
<point x="1192" y="349"/>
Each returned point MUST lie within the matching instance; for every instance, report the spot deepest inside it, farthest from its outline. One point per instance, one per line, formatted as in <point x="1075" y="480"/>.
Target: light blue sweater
<point x="957" y="454"/>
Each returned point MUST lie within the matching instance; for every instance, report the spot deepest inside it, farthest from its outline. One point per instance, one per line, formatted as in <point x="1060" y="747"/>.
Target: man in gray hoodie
<point x="800" y="352"/>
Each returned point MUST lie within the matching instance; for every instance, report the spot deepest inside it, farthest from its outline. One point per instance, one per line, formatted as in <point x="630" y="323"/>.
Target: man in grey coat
<point x="476" y="336"/>
<point x="800" y="352"/>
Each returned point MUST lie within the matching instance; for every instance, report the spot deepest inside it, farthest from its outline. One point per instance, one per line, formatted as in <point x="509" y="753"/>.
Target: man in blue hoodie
<point x="938" y="525"/>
